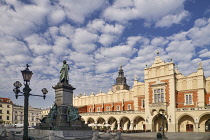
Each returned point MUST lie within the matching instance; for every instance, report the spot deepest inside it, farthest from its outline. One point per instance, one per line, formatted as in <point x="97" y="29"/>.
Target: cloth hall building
<point x="166" y="100"/>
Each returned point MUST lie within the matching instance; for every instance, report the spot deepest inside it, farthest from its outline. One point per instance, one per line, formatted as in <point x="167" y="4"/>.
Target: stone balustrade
<point x="114" y="112"/>
<point x="193" y="108"/>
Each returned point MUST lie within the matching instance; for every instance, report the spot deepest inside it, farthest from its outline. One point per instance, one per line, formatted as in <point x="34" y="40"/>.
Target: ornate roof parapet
<point x="158" y="62"/>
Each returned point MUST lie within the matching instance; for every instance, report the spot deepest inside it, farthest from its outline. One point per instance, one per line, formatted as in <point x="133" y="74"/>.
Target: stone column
<point x="118" y="125"/>
<point x="131" y="126"/>
<point x="95" y="125"/>
<point x="196" y="127"/>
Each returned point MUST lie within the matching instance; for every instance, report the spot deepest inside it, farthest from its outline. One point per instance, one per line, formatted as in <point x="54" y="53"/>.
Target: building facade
<point x="166" y="100"/>
<point x="5" y="111"/>
<point x="45" y="112"/>
<point x="34" y="114"/>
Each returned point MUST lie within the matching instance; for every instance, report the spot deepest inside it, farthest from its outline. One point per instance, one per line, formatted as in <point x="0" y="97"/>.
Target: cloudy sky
<point x="95" y="37"/>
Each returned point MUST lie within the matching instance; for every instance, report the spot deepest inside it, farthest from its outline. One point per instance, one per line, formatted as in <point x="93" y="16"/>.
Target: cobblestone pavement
<point x="147" y="136"/>
<point x="169" y="135"/>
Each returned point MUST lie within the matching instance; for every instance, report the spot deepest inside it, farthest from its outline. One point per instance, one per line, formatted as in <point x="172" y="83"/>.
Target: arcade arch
<point x="90" y="120"/>
<point x="159" y="122"/>
<point x="100" y="120"/>
<point x="186" y="123"/>
<point x="204" y="123"/>
<point x="112" y="122"/>
<point x="125" y="123"/>
<point x="139" y="123"/>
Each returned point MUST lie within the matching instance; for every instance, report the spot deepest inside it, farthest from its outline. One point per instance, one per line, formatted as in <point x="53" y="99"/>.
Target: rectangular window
<point x="7" y="111"/>
<point x="7" y="117"/>
<point x="129" y="107"/>
<point x="162" y="97"/>
<point x="0" y="117"/>
<point x="98" y="109"/>
<point x="158" y="95"/>
<point x="142" y="103"/>
<point x="0" y="111"/>
<point x="90" y="109"/>
<point x="159" y="98"/>
<point x="8" y="106"/>
<point x="0" y="105"/>
<point x="188" y="99"/>
<point x="118" y="108"/>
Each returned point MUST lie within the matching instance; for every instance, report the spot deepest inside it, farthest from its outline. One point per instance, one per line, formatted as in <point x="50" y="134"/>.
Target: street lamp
<point x="27" y="74"/>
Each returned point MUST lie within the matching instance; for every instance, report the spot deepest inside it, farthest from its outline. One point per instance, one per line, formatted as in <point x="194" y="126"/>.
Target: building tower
<point x="120" y="81"/>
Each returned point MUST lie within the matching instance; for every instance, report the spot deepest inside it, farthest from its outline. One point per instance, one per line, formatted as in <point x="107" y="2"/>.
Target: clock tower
<point x="120" y="81"/>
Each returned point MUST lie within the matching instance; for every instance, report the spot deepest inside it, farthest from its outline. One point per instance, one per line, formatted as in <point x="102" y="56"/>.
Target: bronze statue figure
<point x="72" y="114"/>
<point x="64" y="77"/>
<point x="52" y="115"/>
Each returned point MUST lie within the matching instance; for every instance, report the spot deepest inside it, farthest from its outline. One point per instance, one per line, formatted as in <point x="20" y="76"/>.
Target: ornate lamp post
<point x="27" y="74"/>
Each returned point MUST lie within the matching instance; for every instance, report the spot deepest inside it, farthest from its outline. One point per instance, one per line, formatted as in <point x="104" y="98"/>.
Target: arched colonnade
<point x="120" y="123"/>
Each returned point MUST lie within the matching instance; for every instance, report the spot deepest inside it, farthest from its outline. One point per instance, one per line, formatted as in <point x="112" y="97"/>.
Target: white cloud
<point x="38" y="44"/>
<point x="106" y="39"/>
<point x="56" y="16"/>
<point x="81" y="59"/>
<point x="151" y="10"/>
<point x="62" y="46"/>
<point x="179" y="36"/>
<point x="83" y="41"/>
<point x="206" y="54"/>
<point x="159" y="41"/>
<point x="118" y="51"/>
<point x="200" y="23"/>
<point x="17" y="59"/>
<point x="131" y="41"/>
<point x="11" y="46"/>
<point x="100" y="25"/>
<point x="148" y="52"/>
<point x="109" y="65"/>
<point x="22" y="20"/>
<point x="67" y="30"/>
<point x="200" y="34"/>
<point x="108" y="32"/>
<point x="78" y="10"/>
<point x="169" y="20"/>
<point x="181" y="50"/>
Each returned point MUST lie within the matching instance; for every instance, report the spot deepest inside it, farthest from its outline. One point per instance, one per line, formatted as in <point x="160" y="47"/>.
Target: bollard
<point x="159" y="135"/>
<point x="118" y="137"/>
<point x="95" y="135"/>
<point x="52" y="136"/>
<point x="11" y="135"/>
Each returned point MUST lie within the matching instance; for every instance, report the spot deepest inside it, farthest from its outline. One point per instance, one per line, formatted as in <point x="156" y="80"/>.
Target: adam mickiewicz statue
<point x="64" y="77"/>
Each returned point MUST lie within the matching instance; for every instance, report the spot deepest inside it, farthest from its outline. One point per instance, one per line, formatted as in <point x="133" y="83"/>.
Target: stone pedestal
<point x="64" y="94"/>
<point x="61" y="119"/>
